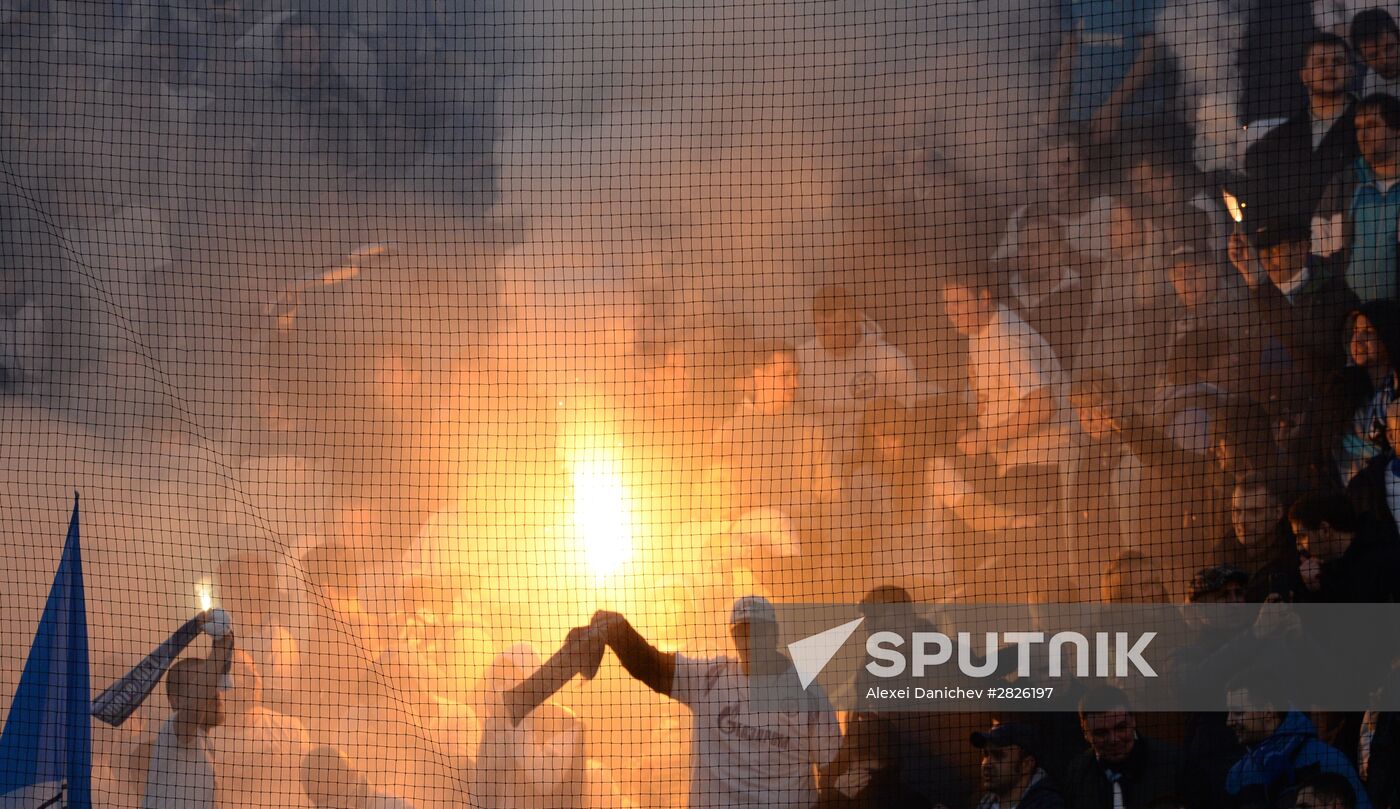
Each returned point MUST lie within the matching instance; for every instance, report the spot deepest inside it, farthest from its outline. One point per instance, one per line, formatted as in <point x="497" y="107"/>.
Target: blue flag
<point x="46" y="748"/>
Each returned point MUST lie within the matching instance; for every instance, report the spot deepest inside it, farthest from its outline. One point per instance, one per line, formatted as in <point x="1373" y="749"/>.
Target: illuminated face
<point x="1366" y="348"/>
<point x="1375" y="139"/>
<point x="1250" y="726"/>
<point x="1002" y="768"/>
<point x="775" y="384"/>
<point x="1253" y="513"/>
<point x="1112" y="735"/>
<point x="1326" y="70"/>
<point x="968" y="310"/>
<point x="1382" y="54"/>
<point x="1095" y="421"/>
<point x="1322" y="543"/>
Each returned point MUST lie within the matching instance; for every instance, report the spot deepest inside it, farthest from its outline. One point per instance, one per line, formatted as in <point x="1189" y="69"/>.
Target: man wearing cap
<point x="1011" y="772"/>
<point x="1299" y="299"/>
<point x="741" y="756"/>
<point x="1222" y="584"/>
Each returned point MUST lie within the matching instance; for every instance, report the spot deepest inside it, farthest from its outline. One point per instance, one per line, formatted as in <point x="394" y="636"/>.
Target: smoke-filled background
<point x="420" y="309"/>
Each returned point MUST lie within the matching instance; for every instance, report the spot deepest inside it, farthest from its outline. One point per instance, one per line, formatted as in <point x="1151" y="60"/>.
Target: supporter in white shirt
<point x="1023" y="416"/>
<point x="259" y="750"/>
<point x="740" y="756"/>
<point x="848" y="364"/>
<point x="181" y="773"/>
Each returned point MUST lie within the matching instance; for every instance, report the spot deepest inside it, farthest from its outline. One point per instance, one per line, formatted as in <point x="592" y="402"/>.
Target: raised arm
<point x="653" y="667"/>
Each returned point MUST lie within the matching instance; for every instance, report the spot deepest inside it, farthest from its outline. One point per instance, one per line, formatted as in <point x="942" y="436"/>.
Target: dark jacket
<point x="1287" y="176"/>
<point x="1212" y="748"/>
<point x="1272" y="569"/>
<point x="1043" y="794"/>
<point x="1310" y="329"/>
<point x="1154" y="770"/>
<point x="1367" y="494"/>
<point x="1367" y="573"/>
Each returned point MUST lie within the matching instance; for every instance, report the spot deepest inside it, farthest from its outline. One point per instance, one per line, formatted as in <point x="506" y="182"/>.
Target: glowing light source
<point x="1235" y="207"/>
<point x="602" y="513"/>
<point x="204" y="591"/>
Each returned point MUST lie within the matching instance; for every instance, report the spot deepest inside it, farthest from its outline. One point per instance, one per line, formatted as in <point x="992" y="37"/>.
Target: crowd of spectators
<point x="1160" y="405"/>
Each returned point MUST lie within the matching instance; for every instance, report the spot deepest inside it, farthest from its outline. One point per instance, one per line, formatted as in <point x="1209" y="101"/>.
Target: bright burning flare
<point x="601" y="513"/>
<point x="205" y="592"/>
<point x="1232" y="204"/>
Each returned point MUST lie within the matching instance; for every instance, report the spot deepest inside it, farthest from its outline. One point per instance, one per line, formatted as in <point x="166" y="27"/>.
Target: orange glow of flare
<point x="1235" y="207"/>
<point x="602" y="512"/>
<point x="204" y="591"/>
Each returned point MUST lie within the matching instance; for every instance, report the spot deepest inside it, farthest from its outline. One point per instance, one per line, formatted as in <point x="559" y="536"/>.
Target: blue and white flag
<point x="46" y="747"/>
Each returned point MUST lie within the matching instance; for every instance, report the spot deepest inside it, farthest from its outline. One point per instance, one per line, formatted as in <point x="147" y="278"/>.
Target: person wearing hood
<point x="1283" y="748"/>
<point x="847" y="364"/>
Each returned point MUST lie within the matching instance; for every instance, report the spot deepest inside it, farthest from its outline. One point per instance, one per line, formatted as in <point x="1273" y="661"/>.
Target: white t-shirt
<point x="742" y="757"/>
<point x="836" y="389"/>
<point x="180" y="776"/>
<point x="1008" y="361"/>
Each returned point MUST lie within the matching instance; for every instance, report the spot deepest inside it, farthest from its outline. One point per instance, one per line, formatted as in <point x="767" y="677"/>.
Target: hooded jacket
<point x="1277" y="763"/>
